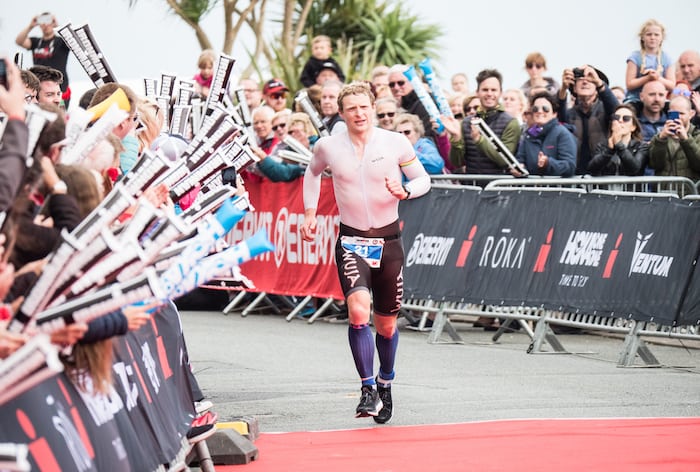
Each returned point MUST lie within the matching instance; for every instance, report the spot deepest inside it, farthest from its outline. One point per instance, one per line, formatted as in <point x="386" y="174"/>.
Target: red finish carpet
<point x="635" y="445"/>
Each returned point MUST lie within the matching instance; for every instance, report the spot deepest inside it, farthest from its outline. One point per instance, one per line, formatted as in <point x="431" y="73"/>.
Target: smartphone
<point x="45" y="19"/>
<point x="673" y="115"/>
<point x="3" y="73"/>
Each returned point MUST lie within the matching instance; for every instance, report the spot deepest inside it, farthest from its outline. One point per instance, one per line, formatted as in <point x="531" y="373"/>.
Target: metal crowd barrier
<point x="678" y="186"/>
<point x="543" y="319"/>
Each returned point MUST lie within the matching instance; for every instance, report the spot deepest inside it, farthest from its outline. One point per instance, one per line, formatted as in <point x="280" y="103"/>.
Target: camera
<point x="578" y="73"/>
<point x="228" y="176"/>
<point x="3" y="73"/>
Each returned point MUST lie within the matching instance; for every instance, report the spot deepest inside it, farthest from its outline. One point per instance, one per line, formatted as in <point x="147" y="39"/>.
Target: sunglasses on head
<point x="278" y="126"/>
<point x="685" y="93"/>
<point x="390" y="114"/>
<point x="400" y="83"/>
<point x="544" y="108"/>
<point x="625" y="118"/>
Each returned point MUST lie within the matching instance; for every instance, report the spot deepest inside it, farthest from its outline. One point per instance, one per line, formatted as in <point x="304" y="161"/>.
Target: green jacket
<point x="674" y="157"/>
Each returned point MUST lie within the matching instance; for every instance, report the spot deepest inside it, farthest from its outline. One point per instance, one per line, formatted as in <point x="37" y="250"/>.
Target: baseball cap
<point x="274" y="86"/>
<point x="332" y="66"/>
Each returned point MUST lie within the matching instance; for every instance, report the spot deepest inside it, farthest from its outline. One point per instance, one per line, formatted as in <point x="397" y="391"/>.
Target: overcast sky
<point x="147" y="40"/>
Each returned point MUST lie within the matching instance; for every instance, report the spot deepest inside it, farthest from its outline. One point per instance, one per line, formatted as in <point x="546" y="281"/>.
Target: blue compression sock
<point x="386" y="348"/>
<point x="360" y="337"/>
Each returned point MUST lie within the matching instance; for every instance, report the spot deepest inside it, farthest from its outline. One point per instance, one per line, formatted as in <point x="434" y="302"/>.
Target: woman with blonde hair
<point x="650" y="62"/>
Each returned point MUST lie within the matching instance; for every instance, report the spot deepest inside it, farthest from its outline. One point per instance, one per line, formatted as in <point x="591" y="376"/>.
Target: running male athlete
<point x="367" y="164"/>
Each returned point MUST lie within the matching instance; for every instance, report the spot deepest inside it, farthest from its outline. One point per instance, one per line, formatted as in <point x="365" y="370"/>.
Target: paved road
<point x="299" y="377"/>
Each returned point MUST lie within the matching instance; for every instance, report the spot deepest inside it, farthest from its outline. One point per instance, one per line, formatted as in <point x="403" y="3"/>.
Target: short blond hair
<point x="355" y="88"/>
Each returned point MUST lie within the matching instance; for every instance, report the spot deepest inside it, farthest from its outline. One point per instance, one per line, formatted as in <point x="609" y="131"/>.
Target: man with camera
<point x="590" y="114"/>
<point x="47" y="50"/>
<point x="675" y="150"/>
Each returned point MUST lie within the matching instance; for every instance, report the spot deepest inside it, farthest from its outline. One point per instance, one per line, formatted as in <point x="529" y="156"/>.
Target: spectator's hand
<point x="10" y="342"/>
<point x="12" y="98"/>
<point x="48" y="173"/>
<point x="669" y="130"/>
<point x="695" y="98"/>
<point x="258" y="152"/>
<point x="567" y="80"/>
<point x="452" y="125"/>
<point x="615" y="134"/>
<point x="474" y="133"/>
<point x="651" y="75"/>
<point x="158" y="196"/>
<point x="591" y="75"/>
<point x="681" y="131"/>
<point x="43" y="220"/>
<point x="395" y="188"/>
<point x="70" y="334"/>
<point x="515" y="172"/>
<point x="7" y="278"/>
<point x="138" y="315"/>
<point x="542" y="160"/>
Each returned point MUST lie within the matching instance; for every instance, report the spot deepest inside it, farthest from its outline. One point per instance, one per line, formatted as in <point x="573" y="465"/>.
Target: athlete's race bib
<point x="369" y="249"/>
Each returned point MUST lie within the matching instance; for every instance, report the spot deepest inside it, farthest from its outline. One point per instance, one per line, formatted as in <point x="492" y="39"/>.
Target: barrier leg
<point x="261" y="296"/>
<point x="321" y="310"/>
<point x="442" y="323"/>
<point x="633" y="346"/>
<point x="543" y="333"/>
<point x="234" y="303"/>
<point x="206" y="464"/>
<point x="298" y="308"/>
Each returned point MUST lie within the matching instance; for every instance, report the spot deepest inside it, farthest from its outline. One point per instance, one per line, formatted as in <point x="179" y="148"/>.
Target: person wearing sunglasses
<point x="406" y="97"/>
<point x="426" y="151"/>
<point x="31" y="86"/>
<point x="547" y="148"/>
<point x="625" y="152"/>
<point x="536" y="66"/>
<point x="275" y="94"/>
<point x="386" y="112"/>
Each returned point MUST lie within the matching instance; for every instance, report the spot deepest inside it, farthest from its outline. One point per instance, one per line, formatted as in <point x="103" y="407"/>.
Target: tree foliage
<point x="365" y="32"/>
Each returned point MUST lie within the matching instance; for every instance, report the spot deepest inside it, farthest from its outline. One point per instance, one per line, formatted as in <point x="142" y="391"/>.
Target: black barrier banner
<point x="139" y="424"/>
<point x="619" y="256"/>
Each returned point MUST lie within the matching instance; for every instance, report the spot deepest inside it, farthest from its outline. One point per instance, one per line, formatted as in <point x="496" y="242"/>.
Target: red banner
<point x="297" y="267"/>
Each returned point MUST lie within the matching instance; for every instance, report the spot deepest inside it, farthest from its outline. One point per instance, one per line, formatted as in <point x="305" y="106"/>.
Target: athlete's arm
<point x="418" y="179"/>
<point x="312" y="192"/>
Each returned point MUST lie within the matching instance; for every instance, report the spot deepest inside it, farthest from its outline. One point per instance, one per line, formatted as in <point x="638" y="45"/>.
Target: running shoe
<point x="370" y="403"/>
<point x="385" y="396"/>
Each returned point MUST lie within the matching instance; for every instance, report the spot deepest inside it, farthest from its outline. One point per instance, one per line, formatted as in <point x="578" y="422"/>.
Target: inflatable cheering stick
<point x="435" y="88"/>
<point x="209" y="230"/>
<point x="222" y="263"/>
<point x="423" y="96"/>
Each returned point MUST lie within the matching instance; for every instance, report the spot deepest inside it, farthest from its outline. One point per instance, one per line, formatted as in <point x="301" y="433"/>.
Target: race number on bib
<point x="369" y="249"/>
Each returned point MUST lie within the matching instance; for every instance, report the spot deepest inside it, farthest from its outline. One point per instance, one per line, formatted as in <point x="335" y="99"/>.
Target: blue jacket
<point x="428" y="155"/>
<point x="556" y="142"/>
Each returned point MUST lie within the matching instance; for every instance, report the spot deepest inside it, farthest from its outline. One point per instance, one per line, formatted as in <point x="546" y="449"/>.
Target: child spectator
<point x="650" y="62"/>
<point x="206" y="72"/>
<point x="321" y="50"/>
